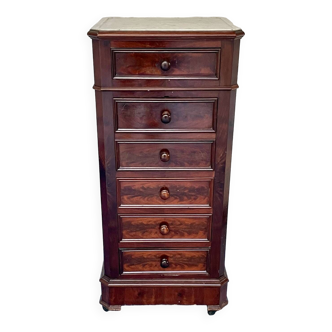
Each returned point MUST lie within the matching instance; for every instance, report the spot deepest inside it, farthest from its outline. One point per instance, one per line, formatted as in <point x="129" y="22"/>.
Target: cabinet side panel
<point x="108" y="112"/>
<point x="105" y="64"/>
<point x="219" y="182"/>
<point x="235" y="65"/>
<point x="226" y="60"/>
<point x="96" y="61"/>
<point x="102" y="174"/>
<point x="227" y="179"/>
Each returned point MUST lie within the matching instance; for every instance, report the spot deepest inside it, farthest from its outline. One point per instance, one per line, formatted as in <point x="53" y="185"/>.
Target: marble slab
<point x="164" y="24"/>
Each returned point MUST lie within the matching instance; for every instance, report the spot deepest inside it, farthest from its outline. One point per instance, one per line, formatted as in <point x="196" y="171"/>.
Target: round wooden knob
<point x="165" y="65"/>
<point x="164" y="155"/>
<point x="164" y="262"/>
<point x="166" y="116"/>
<point x="164" y="193"/>
<point x="163" y="228"/>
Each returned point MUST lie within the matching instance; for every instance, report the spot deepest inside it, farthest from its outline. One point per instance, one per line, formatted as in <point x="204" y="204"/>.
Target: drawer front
<point x="165" y="64"/>
<point x="165" y="155"/>
<point x="140" y="228"/>
<point x="160" y="115"/>
<point x="148" y="192"/>
<point x="166" y="261"/>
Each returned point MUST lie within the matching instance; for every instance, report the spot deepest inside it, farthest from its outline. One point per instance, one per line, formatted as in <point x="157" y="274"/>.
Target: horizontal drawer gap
<point x="168" y="241"/>
<point x="169" y="216"/>
<point x="166" y="272"/>
<point x="171" y="245"/>
<point x="151" y="130"/>
<point x="221" y="88"/>
<point x="165" y="174"/>
<point x="165" y="250"/>
<point x="154" y="141"/>
<point x="165" y="78"/>
<point x="166" y="100"/>
<point x="166" y="206"/>
<point x="166" y="50"/>
<point x="169" y="179"/>
<point x="164" y="169"/>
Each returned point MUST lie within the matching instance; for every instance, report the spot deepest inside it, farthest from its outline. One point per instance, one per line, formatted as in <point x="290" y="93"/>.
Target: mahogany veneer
<point x="165" y="99"/>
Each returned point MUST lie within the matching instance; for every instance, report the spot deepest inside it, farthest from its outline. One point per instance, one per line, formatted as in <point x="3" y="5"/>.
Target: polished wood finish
<point x="165" y="155"/>
<point x="180" y="115"/>
<point x="140" y="295"/>
<point x="210" y="292"/>
<point x="164" y="43"/>
<point x="167" y="281"/>
<point x="166" y="88"/>
<point x="107" y="168"/>
<point x="226" y="79"/>
<point x="148" y="227"/>
<point x="167" y="64"/>
<point x="165" y="113"/>
<point x="166" y="261"/>
<point x="164" y="192"/>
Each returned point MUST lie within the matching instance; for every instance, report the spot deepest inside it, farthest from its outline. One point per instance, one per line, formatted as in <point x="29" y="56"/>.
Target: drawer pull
<point x="164" y="155"/>
<point x="166" y="116"/>
<point x="164" y="193"/>
<point x="164" y="263"/>
<point x="163" y="228"/>
<point x="165" y="65"/>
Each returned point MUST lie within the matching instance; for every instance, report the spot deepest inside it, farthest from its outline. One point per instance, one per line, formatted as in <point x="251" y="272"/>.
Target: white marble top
<point x="164" y="24"/>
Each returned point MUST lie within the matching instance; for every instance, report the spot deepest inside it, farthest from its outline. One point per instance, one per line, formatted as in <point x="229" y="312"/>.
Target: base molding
<point x="163" y="282"/>
<point x="119" y="292"/>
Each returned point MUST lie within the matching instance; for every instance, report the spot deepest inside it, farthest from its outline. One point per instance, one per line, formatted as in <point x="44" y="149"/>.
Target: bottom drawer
<point x="166" y="261"/>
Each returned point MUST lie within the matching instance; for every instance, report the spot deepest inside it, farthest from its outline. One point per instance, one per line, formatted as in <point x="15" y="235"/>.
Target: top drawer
<point x="166" y="64"/>
<point x="169" y="63"/>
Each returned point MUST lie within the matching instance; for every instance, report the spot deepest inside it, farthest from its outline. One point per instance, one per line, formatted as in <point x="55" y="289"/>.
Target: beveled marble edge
<point x="118" y="24"/>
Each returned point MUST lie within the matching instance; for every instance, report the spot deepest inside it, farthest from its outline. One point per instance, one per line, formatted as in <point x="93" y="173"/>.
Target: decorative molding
<point x="94" y="34"/>
<point x="222" y="88"/>
<point x="163" y="282"/>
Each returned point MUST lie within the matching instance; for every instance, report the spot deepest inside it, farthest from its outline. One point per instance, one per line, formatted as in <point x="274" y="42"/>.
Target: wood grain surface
<point x="186" y="115"/>
<point x="140" y="295"/>
<point x="182" y="155"/>
<point x="180" y="227"/>
<point x="149" y="261"/>
<point x="147" y="192"/>
<point x="199" y="63"/>
<point x="182" y="237"/>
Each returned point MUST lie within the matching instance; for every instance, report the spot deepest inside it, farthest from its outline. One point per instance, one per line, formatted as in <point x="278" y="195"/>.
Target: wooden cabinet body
<point x="165" y="98"/>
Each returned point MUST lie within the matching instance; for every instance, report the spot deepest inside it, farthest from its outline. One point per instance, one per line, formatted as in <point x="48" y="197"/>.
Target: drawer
<point x="165" y="261"/>
<point x="165" y="155"/>
<point x="190" y="115"/>
<point x="143" y="228"/>
<point x="166" y="63"/>
<point x="161" y="192"/>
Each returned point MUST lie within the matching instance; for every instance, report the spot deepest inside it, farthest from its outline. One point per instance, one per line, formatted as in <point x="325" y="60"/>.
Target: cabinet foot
<point x="107" y="307"/>
<point x="212" y="309"/>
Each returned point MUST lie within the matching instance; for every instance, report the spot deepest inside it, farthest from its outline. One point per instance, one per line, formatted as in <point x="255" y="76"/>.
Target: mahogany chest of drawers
<point x="165" y="97"/>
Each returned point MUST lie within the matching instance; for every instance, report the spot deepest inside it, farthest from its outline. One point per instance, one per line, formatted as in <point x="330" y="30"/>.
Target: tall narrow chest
<point x="165" y="97"/>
